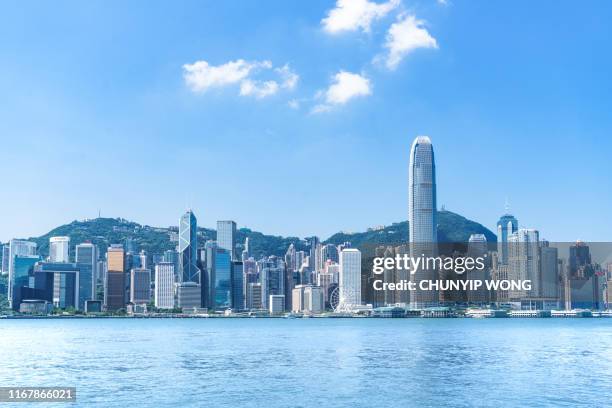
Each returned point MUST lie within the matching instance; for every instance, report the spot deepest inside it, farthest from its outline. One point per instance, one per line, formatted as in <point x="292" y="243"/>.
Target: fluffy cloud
<point x="288" y="77"/>
<point x="345" y="86"/>
<point x="201" y="76"/>
<point x="258" y="89"/>
<point x="351" y="15"/>
<point x="405" y="36"/>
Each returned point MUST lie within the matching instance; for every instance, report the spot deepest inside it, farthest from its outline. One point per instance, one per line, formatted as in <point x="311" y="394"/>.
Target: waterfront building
<point x="59" y="249"/>
<point x="21" y="248"/>
<point x="350" y="279"/>
<point x="422" y="217"/>
<point x="253" y="296"/>
<point x="477" y="248"/>
<point x="313" y="299"/>
<point x="140" y="286"/>
<point x="524" y="262"/>
<point x="164" y="285"/>
<point x="65" y="285"/>
<point x="87" y="253"/>
<point x="297" y="301"/>
<point x="115" y="282"/>
<point x="22" y="267"/>
<point x="277" y="304"/>
<point x="222" y="272"/>
<point x="272" y="278"/>
<point x="189" y="296"/>
<point x="550" y="272"/>
<point x="237" y="292"/>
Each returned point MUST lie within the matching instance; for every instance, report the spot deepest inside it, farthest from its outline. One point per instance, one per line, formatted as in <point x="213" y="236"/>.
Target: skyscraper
<point x="188" y="246"/>
<point x="140" y="285"/>
<point x="524" y="261"/>
<point x="506" y="226"/>
<point x="114" y="285"/>
<point x="422" y="216"/>
<point x="21" y="248"/>
<point x="226" y="237"/>
<point x="59" y="249"/>
<point x="5" y="258"/>
<point x="164" y="285"/>
<point x="350" y="279"/>
<point x="87" y="253"/>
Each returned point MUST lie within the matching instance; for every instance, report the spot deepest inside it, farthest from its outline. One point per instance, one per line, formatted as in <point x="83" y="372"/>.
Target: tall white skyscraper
<point x="226" y="237"/>
<point x="422" y="216"/>
<point x="350" y="279"/>
<point x="164" y="285"/>
<point x="59" y="249"/>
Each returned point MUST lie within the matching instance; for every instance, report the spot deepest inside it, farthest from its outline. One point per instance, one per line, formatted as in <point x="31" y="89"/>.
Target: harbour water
<point x="313" y="362"/>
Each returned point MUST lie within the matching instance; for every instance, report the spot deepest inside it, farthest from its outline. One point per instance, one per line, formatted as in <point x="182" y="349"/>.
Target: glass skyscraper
<point x="222" y="279"/>
<point x="422" y="216"/>
<point x="226" y="237"/>
<point x="188" y="246"/>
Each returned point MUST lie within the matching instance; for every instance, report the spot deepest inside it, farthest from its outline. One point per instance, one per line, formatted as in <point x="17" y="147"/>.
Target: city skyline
<point x="125" y="107"/>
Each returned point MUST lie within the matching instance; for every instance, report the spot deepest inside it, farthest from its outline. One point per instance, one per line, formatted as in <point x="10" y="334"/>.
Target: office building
<point x="237" y="292"/>
<point x="524" y="261"/>
<point x="164" y="285"/>
<point x="115" y="283"/>
<point x="87" y="253"/>
<point x="253" y="296"/>
<point x="350" y="279"/>
<point x="226" y="237"/>
<point x="297" y="301"/>
<point x="63" y="283"/>
<point x="140" y="286"/>
<point x="22" y="267"/>
<point x="188" y="246"/>
<point x="189" y="295"/>
<point x="313" y="299"/>
<point x="506" y="226"/>
<point x="222" y="289"/>
<point x="277" y="304"/>
<point x="422" y="217"/>
<point x="59" y="249"/>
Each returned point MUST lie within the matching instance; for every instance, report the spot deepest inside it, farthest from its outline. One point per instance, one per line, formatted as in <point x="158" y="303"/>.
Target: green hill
<point x="155" y="240"/>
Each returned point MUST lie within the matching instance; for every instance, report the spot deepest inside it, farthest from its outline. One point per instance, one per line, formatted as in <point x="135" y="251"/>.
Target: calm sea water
<point x="313" y="362"/>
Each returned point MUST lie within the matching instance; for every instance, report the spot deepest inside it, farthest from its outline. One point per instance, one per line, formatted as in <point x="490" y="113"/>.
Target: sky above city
<point x="296" y="117"/>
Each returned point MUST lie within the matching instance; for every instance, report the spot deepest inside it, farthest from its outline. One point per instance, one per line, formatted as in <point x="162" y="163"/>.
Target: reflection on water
<point x="313" y="362"/>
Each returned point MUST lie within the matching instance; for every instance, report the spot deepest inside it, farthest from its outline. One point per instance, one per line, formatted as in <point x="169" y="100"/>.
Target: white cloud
<point x="345" y="86"/>
<point x="258" y="89"/>
<point x="351" y="15"/>
<point x="201" y="76"/>
<point x="294" y="104"/>
<point x="405" y="36"/>
<point x="290" y="78"/>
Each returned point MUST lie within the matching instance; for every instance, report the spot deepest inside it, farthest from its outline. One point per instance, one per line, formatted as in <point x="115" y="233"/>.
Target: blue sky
<point x="298" y="116"/>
